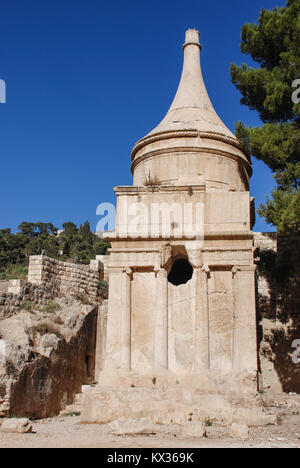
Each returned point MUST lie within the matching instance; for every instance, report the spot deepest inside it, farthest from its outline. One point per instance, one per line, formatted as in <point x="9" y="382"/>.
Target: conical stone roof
<point x="192" y="108"/>
<point x="191" y="144"/>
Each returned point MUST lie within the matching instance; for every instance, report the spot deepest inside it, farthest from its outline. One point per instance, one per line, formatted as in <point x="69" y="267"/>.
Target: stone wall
<point x="3" y="286"/>
<point x="63" y="344"/>
<point x="18" y="291"/>
<point x="48" y="279"/>
<point x="11" y="286"/>
<point x="278" y="311"/>
<point x="104" y="260"/>
<point x="67" y="278"/>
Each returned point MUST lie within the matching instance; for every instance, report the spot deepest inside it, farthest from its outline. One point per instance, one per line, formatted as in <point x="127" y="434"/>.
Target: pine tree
<point x="274" y="43"/>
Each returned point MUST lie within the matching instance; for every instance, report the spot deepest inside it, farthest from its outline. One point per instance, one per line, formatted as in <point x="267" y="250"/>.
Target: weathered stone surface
<point x="194" y="337"/>
<point x="132" y="426"/>
<point x="168" y="407"/>
<point x="239" y="431"/>
<point x="50" y="341"/>
<point x="66" y="278"/>
<point x="197" y="430"/>
<point x="278" y="305"/>
<point x="19" y="426"/>
<point x="45" y="362"/>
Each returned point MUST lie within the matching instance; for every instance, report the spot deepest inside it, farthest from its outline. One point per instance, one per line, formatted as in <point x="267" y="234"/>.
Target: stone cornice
<point x="189" y="133"/>
<point x="190" y="149"/>
<point x="133" y="190"/>
<point x="207" y="235"/>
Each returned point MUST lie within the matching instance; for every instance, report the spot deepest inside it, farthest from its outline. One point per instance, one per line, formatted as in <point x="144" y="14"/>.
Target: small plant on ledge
<point x="151" y="181"/>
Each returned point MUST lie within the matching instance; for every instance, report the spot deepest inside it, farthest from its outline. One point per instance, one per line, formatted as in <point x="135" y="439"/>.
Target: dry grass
<point x="58" y="320"/>
<point x="151" y="181"/>
<point x="43" y="328"/>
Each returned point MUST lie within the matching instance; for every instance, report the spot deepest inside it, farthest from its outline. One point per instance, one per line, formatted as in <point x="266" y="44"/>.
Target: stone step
<point x="76" y="406"/>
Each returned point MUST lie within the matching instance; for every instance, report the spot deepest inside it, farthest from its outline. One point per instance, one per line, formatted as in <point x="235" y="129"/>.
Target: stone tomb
<point x="181" y="328"/>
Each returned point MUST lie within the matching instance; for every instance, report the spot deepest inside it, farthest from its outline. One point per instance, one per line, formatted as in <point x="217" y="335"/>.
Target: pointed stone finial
<point x="181" y="149"/>
<point x="192" y="38"/>
<point x="192" y="107"/>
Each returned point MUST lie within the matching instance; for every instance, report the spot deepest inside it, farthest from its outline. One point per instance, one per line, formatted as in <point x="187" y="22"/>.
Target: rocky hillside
<point x="46" y="355"/>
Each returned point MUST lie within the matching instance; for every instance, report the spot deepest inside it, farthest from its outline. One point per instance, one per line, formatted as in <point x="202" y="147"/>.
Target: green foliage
<point x="14" y="272"/>
<point x="274" y="267"/>
<point x="27" y="305"/>
<point x="208" y="423"/>
<point x="79" y="245"/>
<point x="283" y="211"/>
<point x="103" y="284"/>
<point x="274" y="43"/>
<point x="267" y="262"/>
<point x="51" y="307"/>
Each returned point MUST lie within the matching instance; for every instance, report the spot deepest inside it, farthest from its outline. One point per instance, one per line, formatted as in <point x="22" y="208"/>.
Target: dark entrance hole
<point x="181" y="272"/>
<point x="90" y="366"/>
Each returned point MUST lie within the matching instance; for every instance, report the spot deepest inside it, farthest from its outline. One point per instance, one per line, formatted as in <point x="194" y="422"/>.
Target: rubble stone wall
<point x="67" y="278"/>
<point x="20" y="291"/>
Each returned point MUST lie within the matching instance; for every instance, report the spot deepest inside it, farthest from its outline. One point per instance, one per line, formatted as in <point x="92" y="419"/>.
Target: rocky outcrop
<point x="45" y="358"/>
<point x="278" y="305"/>
<point x="17" y="426"/>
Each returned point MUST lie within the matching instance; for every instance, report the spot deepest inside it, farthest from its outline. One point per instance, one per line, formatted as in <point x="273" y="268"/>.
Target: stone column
<point x="161" y="321"/>
<point x="202" y="319"/>
<point x="101" y="338"/>
<point x="244" y="321"/>
<point x="126" y="319"/>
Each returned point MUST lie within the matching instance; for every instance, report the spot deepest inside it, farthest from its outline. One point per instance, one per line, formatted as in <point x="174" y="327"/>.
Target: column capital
<point x="238" y="268"/>
<point x="160" y="271"/>
<point x="128" y="271"/>
<point x="205" y="268"/>
<point x="234" y="270"/>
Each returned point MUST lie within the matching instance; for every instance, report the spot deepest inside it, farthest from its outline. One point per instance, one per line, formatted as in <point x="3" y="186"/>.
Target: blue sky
<point x="87" y="79"/>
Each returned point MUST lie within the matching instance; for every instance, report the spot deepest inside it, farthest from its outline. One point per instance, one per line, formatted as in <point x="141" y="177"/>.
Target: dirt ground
<point x="67" y="432"/>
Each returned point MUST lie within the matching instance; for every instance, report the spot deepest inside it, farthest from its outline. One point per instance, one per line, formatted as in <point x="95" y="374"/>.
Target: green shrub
<point x="51" y="307"/>
<point x="103" y="284"/>
<point x="27" y="305"/>
<point x="208" y="423"/>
